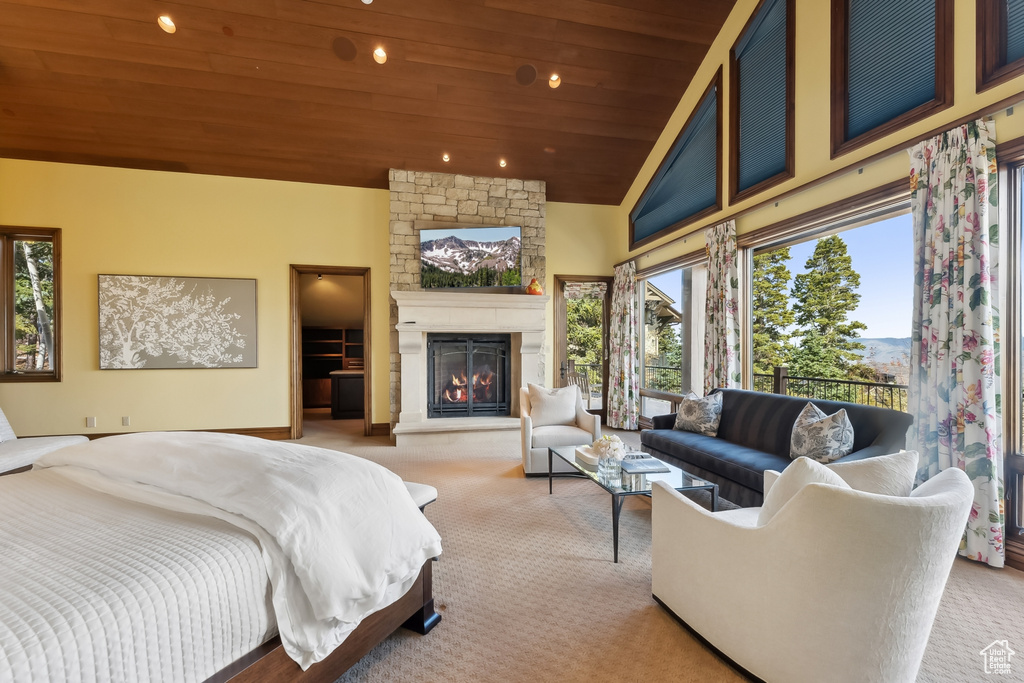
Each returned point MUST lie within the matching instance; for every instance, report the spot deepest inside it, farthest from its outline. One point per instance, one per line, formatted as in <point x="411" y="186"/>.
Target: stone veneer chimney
<point x="426" y="200"/>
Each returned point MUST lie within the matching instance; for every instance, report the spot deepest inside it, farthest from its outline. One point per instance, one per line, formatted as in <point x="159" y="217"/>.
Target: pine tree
<point x="825" y="296"/>
<point x="772" y="314"/>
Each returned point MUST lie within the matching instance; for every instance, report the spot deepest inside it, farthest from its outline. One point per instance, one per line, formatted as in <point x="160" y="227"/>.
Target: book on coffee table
<point x="644" y="466"/>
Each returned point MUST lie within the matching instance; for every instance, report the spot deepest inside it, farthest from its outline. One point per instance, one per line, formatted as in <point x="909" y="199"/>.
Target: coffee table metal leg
<point x="549" y="472"/>
<point x="616" y="508"/>
<point x="714" y="499"/>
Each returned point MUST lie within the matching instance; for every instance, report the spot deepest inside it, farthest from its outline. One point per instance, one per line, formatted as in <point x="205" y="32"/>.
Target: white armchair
<point x="537" y="439"/>
<point x="18" y="454"/>
<point x="840" y="585"/>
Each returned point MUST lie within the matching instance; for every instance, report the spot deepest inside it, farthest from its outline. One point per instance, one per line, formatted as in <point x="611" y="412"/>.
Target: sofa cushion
<point x="699" y="414"/>
<point x="888" y="475"/>
<point x="800" y="473"/>
<point x="552" y="406"/>
<point x="731" y="461"/>
<point x="821" y="437"/>
<point x="553" y="436"/>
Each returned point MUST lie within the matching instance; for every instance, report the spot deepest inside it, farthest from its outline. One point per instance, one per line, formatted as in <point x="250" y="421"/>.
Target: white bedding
<point x="340" y="536"/>
<point x="95" y="588"/>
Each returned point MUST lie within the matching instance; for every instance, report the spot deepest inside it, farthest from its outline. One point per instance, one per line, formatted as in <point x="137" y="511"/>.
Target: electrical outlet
<point x="126" y="421"/>
<point x="90" y="422"/>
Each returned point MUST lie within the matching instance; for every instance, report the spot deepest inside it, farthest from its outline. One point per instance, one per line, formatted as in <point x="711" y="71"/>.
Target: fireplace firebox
<point x="468" y="375"/>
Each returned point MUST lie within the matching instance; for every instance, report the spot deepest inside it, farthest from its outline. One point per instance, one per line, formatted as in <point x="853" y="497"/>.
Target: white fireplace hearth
<point x="423" y="312"/>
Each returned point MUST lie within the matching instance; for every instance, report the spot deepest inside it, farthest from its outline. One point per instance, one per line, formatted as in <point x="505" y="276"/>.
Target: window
<point x="831" y="314"/>
<point x="30" y="270"/>
<point x="687" y="185"/>
<point x="672" y="333"/>
<point x="891" y="65"/>
<point x="1000" y="39"/>
<point x="761" y="92"/>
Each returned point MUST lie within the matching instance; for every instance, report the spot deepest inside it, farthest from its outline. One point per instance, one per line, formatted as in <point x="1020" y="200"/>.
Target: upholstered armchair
<point x="19" y="454"/>
<point x="581" y="429"/>
<point x="839" y="585"/>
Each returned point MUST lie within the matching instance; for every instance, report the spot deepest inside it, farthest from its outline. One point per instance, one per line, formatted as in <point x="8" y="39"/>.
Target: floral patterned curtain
<point x="722" y="329"/>
<point x="954" y="372"/>
<point x="624" y="351"/>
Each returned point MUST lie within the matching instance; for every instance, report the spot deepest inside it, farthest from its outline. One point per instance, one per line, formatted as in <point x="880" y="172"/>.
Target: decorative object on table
<point x="176" y="322"/>
<point x="699" y="415"/>
<point x="587" y="458"/>
<point x="610" y="452"/>
<point x="534" y="287"/>
<point x="821" y="437"/>
<point x="643" y="466"/>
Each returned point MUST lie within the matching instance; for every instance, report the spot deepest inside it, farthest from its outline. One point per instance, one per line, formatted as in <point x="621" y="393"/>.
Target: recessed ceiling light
<point x="380" y="56"/>
<point x="502" y="163"/>
<point x="367" y="2"/>
<point x="445" y="158"/>
<point x="554" y="81"/>
<point x="549" y="150"/>
<point x="166" y="23"/>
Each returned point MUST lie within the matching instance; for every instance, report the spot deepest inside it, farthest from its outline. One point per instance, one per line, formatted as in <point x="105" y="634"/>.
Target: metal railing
<point x="663" y="378"/>
<point x="847" y="390"/>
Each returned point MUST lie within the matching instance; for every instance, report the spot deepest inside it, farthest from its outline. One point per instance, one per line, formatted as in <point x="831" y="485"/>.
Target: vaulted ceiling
<point x="289" y="90"/>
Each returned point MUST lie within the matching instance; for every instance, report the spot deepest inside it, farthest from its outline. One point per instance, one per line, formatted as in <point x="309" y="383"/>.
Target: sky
<point x="476" y="234"/>
<point x="882" y="253"/>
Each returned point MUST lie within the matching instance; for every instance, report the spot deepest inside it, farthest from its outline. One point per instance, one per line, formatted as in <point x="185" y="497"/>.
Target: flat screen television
<point x="471" y="257"/>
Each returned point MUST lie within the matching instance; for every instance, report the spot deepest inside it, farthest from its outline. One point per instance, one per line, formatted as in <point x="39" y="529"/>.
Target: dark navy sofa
<point x="754" y="436"/>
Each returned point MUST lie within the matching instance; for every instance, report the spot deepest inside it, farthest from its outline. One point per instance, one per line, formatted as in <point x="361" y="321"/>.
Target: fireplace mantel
<point x="420" y="312"/>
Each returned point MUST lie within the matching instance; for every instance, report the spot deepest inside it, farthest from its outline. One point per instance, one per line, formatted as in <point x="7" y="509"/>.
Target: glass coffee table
<point x="628" y="484"/>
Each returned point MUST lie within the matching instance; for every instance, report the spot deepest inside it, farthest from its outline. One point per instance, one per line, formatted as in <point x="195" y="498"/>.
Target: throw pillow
<point x="888" y="475"/>
<point x="798" y="474"/>
<point x="552" y="406"/>
<point x="6" y="433"/>
<point x="821" y="437"/>
<point x="700" y="415"/>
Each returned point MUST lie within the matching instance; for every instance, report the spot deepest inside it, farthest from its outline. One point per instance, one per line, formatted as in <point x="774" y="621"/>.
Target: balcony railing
<point x="850" y="391"/>
<point x="663" y="378"/>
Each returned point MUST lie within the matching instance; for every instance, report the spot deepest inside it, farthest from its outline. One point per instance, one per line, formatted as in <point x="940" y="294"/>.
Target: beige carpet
<point x="528" y="591"/>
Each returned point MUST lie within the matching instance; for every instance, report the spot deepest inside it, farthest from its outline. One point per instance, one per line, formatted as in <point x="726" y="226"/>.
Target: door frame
<point x="561" y="332"/>
<point x="295" y="316"/>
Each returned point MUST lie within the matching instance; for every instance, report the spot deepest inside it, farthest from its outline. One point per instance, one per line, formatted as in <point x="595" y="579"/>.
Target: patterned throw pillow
<point x="821" y="437"/>
<point x="700" y="415"/>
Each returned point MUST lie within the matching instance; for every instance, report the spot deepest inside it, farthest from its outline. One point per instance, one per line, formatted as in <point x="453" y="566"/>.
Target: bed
<point x="197" y="556"/>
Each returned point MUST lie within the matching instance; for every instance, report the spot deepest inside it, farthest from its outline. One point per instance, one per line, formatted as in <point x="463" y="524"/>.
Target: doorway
<point x="330" y="341"/>
<point x="582" y="310"/>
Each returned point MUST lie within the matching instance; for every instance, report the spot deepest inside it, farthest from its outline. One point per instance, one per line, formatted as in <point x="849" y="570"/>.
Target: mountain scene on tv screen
<point x="453" y="262"/>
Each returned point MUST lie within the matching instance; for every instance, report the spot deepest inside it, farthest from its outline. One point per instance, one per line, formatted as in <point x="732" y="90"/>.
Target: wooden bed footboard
<point x="270" y="664"/>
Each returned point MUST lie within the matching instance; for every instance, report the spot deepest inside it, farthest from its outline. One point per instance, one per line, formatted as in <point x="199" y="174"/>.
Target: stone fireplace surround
<point x="423" y="312"/>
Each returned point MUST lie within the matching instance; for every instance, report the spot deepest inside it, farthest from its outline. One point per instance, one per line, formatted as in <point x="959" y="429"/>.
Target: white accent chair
<point x="840" y="585"/>
<point x="537" y="440"/>
<point x="18" y="454"/>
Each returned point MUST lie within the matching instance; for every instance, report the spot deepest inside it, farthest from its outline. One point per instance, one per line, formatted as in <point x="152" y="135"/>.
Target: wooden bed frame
<point x="270" y="664"/>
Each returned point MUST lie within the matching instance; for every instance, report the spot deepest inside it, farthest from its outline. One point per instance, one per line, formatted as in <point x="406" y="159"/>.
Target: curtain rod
<point x="1004" y="103"/>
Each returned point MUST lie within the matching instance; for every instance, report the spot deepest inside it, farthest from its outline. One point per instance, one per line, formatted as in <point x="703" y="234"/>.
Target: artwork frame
<point x="158" y="322"/>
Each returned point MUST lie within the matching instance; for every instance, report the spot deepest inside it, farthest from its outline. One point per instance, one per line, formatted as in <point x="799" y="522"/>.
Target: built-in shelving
<point x="325" y="349"/>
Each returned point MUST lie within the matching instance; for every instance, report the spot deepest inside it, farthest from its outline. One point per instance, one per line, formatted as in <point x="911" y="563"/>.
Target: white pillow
<point x="825" y="438"/>
<point x="552" y="406"/>
<point x="6" y="432"/>
<point x="798" y="474"/>
<point x="888" y="475"/>
<point x="700" y="415"/>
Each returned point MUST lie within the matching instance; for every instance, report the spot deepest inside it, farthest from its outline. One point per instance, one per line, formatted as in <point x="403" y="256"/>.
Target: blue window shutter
<point x="761" y="63"/>
<point x="1014" y="30"/>
<point x="687" y="181"/>
<point x="891" y="67"/>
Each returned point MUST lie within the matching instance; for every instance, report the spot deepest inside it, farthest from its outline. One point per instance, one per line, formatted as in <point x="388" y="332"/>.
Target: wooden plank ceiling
<point x="288" y="89"/>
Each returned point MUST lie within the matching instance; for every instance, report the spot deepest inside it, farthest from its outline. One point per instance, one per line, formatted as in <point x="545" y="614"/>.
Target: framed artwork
<point x="156" y="322"/>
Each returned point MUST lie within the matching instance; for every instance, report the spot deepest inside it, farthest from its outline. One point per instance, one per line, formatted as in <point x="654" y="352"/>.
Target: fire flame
<point x="457" y="389"/>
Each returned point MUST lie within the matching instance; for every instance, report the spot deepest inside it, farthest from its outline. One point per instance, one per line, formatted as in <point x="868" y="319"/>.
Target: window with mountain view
<point x="29" y="267"/>
<point x="832" y="315"/>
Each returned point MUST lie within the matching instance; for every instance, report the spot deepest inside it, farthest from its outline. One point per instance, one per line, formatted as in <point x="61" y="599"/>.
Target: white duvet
<point x="340" y="536"/>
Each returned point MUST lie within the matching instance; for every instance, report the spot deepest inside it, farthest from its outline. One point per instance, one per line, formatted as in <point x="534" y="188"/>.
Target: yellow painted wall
<point x="120" y="221"/>
<point x="812" y="127"/>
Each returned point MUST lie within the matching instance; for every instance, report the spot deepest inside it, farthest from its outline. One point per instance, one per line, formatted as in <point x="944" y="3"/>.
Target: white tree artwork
<point x="175" y="322"/>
